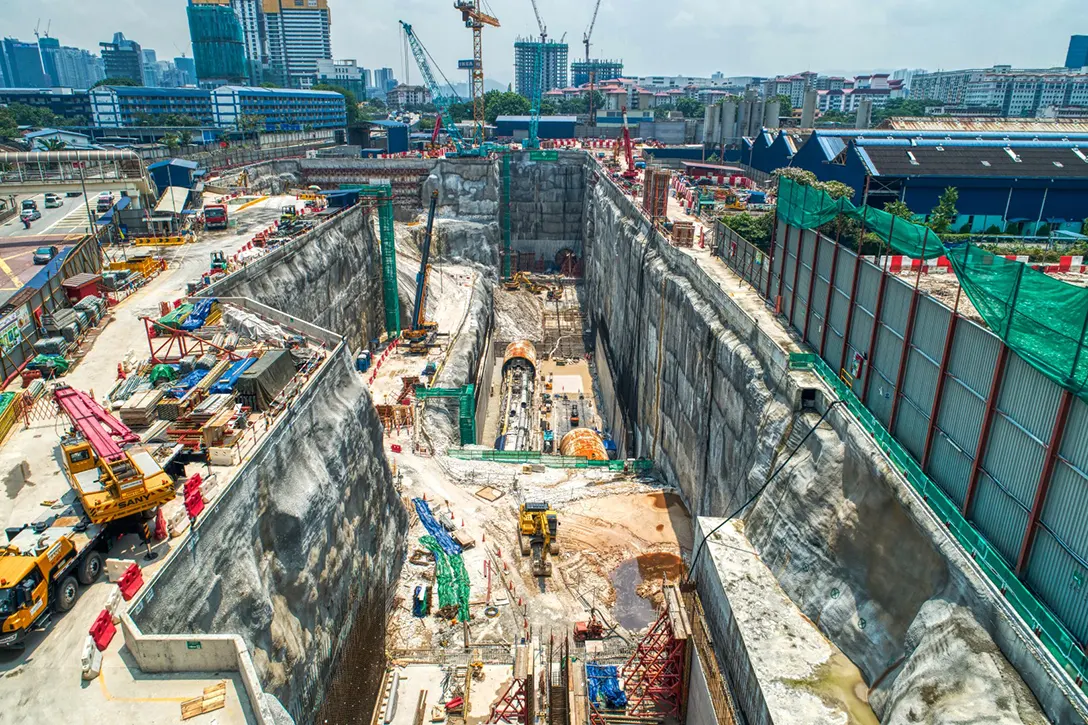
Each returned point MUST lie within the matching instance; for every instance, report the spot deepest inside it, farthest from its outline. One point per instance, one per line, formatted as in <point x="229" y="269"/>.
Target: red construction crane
<point x="105" y="433"/>
<point x="630" y="173"/>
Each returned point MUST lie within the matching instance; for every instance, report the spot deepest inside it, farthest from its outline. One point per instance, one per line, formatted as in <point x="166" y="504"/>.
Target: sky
<point x="652" y="37"/>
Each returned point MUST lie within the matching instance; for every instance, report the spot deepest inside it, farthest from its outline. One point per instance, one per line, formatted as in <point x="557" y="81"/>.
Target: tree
<point x="349" y="99"/>
<point x="661" y="113"/>
<point x="9" y="128"/>
<point x="756" y="228"/>
<point x="171" y="141"/>
<point x="55" y="144"/>
<point x="547" y="108"/>
<point x="185" y="137"/>
<point x="785" y="105"/>
<point x="690" y="107"/>
<point x="831" y="117"/>
<point x="460" y="111"/>
<point x="250" y="122"/>
<point x="899" y="209"/>
<point x="115" y="82"/>
<point x="903" y="107"/>
<point x="498" y="103"/>
<point x="942" y="216"/>
<point x="266" y="84"/>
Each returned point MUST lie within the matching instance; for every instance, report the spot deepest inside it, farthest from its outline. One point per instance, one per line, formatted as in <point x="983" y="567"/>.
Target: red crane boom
<point x="630" y="173"/>
<point x="105" y="433"/>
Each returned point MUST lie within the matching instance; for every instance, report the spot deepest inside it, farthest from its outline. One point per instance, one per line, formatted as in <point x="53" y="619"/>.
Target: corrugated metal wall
<point x="1025" y="407"/>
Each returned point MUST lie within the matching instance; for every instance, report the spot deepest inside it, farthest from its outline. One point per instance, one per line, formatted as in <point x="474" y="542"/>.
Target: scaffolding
<point x="466" y="407"/>
<point x="383" y="195"/>
<point x="656" y="675"/>
<point x="506" y="216"/>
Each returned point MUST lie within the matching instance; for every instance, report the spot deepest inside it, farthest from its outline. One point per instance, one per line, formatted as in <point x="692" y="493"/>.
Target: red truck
<point x="215" y="216"/>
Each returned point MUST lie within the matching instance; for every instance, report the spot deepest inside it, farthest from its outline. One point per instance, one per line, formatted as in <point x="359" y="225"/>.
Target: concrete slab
<point x="783" y="668"/>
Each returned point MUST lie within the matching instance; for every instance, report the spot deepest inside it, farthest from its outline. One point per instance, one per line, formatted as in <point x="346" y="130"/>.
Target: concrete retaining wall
<point x="301" y="549"/>
<point x="330" y="276"/>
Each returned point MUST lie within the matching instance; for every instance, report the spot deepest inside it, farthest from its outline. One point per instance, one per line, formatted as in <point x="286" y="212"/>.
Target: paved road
<point x="66" y="223"/>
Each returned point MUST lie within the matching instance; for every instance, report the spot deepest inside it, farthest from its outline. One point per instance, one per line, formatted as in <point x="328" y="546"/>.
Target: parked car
<point x="44" y="255"/>
<point x="52" y="201"/>
<point x="30" y="214"/>
<point x="73" y="194"/>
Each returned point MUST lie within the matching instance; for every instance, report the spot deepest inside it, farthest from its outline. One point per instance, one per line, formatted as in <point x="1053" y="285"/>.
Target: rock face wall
<point x="703" y="393"/>
<point x="274" y="177"/>
<point x="300" y="551"/>
<point x="547" y="200"/>
<point x="330" y="277"/>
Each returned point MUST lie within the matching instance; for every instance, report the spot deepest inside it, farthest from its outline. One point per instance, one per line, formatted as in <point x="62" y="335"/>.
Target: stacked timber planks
<point x="139" y="411"/>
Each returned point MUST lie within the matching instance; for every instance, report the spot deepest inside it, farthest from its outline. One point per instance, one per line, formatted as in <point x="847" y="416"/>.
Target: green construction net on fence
<point x="1040" y="318"/>
<point x="451" y="578"/>
<point x="551" y="461"/>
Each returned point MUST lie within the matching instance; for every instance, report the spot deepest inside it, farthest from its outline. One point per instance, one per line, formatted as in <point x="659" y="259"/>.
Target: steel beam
<point x="850" y="306"/>
<point x="796" y="273"/>
<point x="879" y="309"/>
<point x="812" y="286"/>
<point x="904" y="357"/>
<point x="984" y="432"/>
<point x="1049" y="462"/>
<point x="942" y="374"/>
<point x="830" y="294"/>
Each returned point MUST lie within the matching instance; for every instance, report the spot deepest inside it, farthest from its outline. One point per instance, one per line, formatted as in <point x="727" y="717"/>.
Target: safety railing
<point x="551" y="461"/>
<point x="1046" y="627"/>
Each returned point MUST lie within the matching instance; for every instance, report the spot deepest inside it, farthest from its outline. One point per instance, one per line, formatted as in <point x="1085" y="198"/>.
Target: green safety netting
<point x="451" y="578"/>
<point x="1041" y="319"/>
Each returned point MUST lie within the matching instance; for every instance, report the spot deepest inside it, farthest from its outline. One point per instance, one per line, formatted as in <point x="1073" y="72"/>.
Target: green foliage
<point x="115" y="82"/>
<point x="836" y="189"/>
<point x="250" y="122"/>
<point x="785" y="104"/>
<point x="460" y="112"/>
<point x="942" y="216"/>
<point x="903" y="107"/>
<point x="40" y="117"/>
<point x="266" y="84"/>
<point x="690" y="107"/>
<point x="185" y="137"/>
<point x="835" y="117"/>
<point x="899" y="209"/>
<point x="756" y="228"/>
<point x="9" y="128"/>
<point x="171" y="141"/>
<point x="661" y="113"/>
<point x="499" y="103"/>
<point x="349" y="98"/>
<point x="1043" y="231"/>
<point x="548" y="108"/>
<point x="993" y="230"/>
<point x="55" y="144"/>
<point x="714" y="159"/>
<point x="426" y="124"/>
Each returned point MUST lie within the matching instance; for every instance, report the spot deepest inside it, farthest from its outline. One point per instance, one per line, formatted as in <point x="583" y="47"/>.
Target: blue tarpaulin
<point x="226" y="382"/>
<point x="196" y="318"/>
<point x="604" y="687"/>
<point x="435" y="529"/>
<point x="181" y="387"/>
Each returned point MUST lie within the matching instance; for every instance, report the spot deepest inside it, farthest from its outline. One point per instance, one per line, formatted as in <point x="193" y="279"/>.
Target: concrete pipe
<point x="520" y="350"/>
<point x="583" y="443"/>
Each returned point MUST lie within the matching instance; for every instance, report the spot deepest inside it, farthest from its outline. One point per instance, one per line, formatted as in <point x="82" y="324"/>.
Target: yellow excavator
<point x="522" y="279"/>
<point x="538" y="526"/>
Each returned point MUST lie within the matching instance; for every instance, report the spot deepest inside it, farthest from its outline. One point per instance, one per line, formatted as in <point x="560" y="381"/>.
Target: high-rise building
<point x="384" y="80"/>
<point x="48" y="48"/>
<point x="186" y="70"/>
<point x="218" y="45"/>
<point x="554" y="58"/>
<point x="344" y="73"/>
<point x="22" y="64"/>
<point x="250" y="14"/>
<point x="123" y="58"/>
<point x="1077" y="57"/>
<point x="151" y="68"/>
<point x="606" y="70"/>
<point x="368" y="77"/>
<point x="299" y="35"/>
<point x="77" y="68"/>
<point x="1004" y="90"/>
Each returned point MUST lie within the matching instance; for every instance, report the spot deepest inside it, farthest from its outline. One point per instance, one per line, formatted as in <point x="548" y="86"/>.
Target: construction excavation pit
<point x="548" y="466"/>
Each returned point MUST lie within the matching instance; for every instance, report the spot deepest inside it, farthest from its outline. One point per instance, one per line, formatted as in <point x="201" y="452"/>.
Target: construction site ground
<point x="45" y="677"/>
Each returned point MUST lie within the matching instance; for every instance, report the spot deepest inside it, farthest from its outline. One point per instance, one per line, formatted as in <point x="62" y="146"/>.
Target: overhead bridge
<point x="41" y="171"/>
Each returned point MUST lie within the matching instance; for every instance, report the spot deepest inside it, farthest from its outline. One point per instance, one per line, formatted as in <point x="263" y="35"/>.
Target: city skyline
<point x="735" y="38"/>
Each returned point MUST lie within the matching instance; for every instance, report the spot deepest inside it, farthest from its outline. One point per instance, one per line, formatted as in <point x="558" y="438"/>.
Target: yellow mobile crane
<point x="538" y="527"/>
<point x="422" y="332"/>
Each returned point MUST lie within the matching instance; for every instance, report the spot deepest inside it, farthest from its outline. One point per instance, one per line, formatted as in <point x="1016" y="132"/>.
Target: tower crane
<point x="630" y="174"/>
<point x="476" y="19"/>
<point x="438" y="96"/>
<point x="592" y="71"/>
<point x="537" y="90"/>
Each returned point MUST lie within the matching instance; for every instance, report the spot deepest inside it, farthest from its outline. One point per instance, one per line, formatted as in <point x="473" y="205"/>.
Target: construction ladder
<point x="383" y="194"/>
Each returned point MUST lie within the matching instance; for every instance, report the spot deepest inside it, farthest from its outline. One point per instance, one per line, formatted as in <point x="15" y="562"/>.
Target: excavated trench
<point x="304" y="557"/>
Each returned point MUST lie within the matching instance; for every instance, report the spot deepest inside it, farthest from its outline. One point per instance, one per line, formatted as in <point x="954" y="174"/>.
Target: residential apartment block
<point x="1004" y="90"/>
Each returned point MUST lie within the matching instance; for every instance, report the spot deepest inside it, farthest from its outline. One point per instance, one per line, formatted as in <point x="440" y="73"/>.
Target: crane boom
<point x="628" y="153"/>
<point x="592" y="72"/>
<point x="441" y="101"/>
<point x="539" y="22"/>
<point x="105" y="433"/>
<point x="476" y="19"/>
<point x="418" y="322"/>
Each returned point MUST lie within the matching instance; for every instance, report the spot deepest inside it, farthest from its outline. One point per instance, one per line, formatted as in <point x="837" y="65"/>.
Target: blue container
<point x="757" y="197"/>
<point x="362" y="363"/>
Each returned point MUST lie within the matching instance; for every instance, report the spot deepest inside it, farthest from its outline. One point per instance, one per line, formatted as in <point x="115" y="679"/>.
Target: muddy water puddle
<point x="637" y="584"/>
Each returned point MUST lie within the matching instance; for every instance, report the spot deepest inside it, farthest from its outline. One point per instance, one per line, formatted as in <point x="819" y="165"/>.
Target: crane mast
<point x="537" y="90"/>
<point x="476" y="19"/>
<point x="420" y="326"/>
<point x="592" y="71"/>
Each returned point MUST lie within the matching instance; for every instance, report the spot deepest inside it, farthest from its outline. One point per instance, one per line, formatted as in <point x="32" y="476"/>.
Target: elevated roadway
<point x="60" y="171"/>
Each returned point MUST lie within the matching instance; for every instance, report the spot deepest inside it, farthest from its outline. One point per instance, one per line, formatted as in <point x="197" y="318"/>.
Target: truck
<point x="104" y="202"/>
<point x="44" y="564"/>
<point x="215" y="216"/>
<point x="112" y="477"/>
